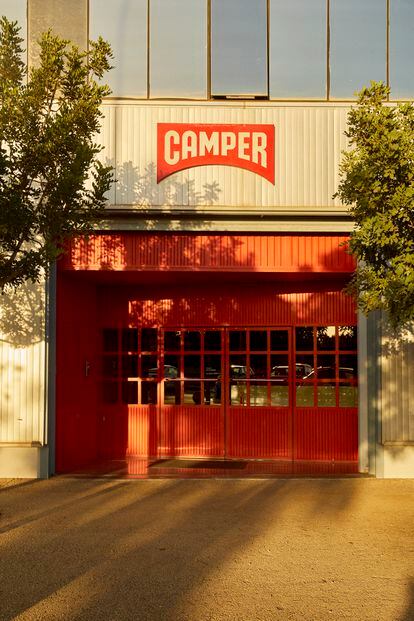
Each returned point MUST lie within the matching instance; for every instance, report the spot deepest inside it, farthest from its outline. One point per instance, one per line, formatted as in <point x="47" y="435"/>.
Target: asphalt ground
<point x="207" y="550"/>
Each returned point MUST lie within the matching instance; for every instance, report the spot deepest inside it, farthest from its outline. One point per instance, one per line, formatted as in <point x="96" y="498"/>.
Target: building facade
<point x="206" y="317"/>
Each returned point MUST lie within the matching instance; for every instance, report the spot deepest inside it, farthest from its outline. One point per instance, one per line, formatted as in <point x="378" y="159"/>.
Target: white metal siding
<point x="22" y="366"/>
<point x="308" y="144"/>
<point x="397" y="395"/>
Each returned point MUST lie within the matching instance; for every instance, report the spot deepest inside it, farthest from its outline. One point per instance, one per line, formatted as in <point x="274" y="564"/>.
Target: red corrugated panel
<point x="259" y="433"/>
<point x="192" y="252"/>
<point x="192" y="431"/>
<point x="326" y="434"/>
<point x="142" y="430"/>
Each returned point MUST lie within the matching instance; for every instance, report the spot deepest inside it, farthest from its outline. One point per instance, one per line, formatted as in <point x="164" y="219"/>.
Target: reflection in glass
<point x="172" y="341"/>
<point x="129" y="339"/>
<point x="279" y="340"/>
<point x="238" y="392"/>
<point x="178" y="48"/>
<point x="192" y="341"/>
<point x="348" y="366"/>
<point x="212" y="340"/>
<point x="258" y="340"/>
<point x="357" y="45"/>
<point x="149" y="339"/>
<point x="110" y="339"/>
<point x="130" y="366"/>
<point x="172" y="392"/>
<point x="279" y="368"/>
<point x="258" y="393"/>
<point x="109" y="392"/>
<point x="297" y="49"/>
<point x="348" y="337"/>
<point x="239" y="47"/>
<point x="279" y="395"/>
<point x="326" y="366"/>
<point x="192" y="393"/>
<point x="172" y="366"/>
<point x="325" y="337"/>
<point x="212" y="365"/>
<point x="327" y="395"/>
<point x="304" y="339"/>
<point x="129" y="392"/>
<point x="238" y="368"/>
<point x="149" y="366"/>
<point x="149" y="393"/>
<point x="124" y="24"/>
<point x="401" y="49"/>
<point x="304" y="396"/>
<point x="348" y="396"/>
<point x="237" y="340"/>
<point x="304" y="366"/>
<point x="258" y="364"/>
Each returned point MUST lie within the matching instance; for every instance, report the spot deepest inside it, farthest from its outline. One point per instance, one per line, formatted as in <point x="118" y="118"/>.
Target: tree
<point x="378" y="185"/>
<point x="52" y="185"/>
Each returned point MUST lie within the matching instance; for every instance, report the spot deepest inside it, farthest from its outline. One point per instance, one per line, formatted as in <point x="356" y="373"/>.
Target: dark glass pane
<point x="110" y="339"/>
<point x="357" y="45"/>
<point x="212" y="341"/>
<point x="258" y="340"/>
<point x="110" y="366"/>
<point x="239" y="47"/>
<point x="212" y="365"/>
<point x="348" y="367"/>
<point x="172" y="366"/>
<point x="279" y="368"/>
<point x="149" y="366"/>
<point x="109" y="392"/>
<point x="348" y="396"/>
<point x="401" y="49"/>
<point x="130" y="392"/>
<point x="192" y="366"/>
<point x="326" y="366"/>
<point x="192" y="341"/>
<point x="304" y="339"/>
<point x="348" y="337"/>
<point x="210" y="393"/>
<point x="237" y="340"/>
<point x="129" y="339"/>
<point x="325" y="338"/>
<point x="149" y="339"/>
<point x="149" y="393"/>
<point x="238" y="368"/>
<point x="172" y="341"/>
<point x="130" y="366"/>
<point x="279" y="340"/>
<point x="258" y="364"/>
<point x="304" y="367"/>
<point x="172" y="392"/>
<point x="192" y="393"/>
<point x="298" y="49"/>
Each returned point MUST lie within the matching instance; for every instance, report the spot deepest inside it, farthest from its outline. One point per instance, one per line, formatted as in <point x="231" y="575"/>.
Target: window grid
<point x="328" y="59"/>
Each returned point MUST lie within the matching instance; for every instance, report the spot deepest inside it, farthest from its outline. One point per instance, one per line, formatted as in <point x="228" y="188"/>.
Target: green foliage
<point x="52" y="185"/>
<point x="377" y="182"/>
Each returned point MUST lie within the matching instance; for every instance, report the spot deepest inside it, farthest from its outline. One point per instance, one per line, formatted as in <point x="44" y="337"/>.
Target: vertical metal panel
<point x="22" y="365"/>
<point x="397" y="389"/>
<point x="192" y="431"/>
<point x="260" y="433"/>
<point x="326" y="434"/>
<point x="309" y="141"/>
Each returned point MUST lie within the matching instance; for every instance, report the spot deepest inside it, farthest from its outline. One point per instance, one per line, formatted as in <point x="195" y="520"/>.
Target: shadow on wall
<point x="22" y="315"/>
<point x="133" y="187"/>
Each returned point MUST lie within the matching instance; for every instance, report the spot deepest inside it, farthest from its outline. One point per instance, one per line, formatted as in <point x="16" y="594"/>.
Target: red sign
<point x="183" y="145"/>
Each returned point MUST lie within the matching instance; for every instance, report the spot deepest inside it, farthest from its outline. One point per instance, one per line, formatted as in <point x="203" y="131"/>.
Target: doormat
<point x="218" y="464"/>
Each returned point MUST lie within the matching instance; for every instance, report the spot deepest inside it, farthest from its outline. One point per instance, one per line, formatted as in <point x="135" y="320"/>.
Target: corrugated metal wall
<point x="309" y="140"/>
<point x="22" y="365"/>
<point x="397" y="394"/>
